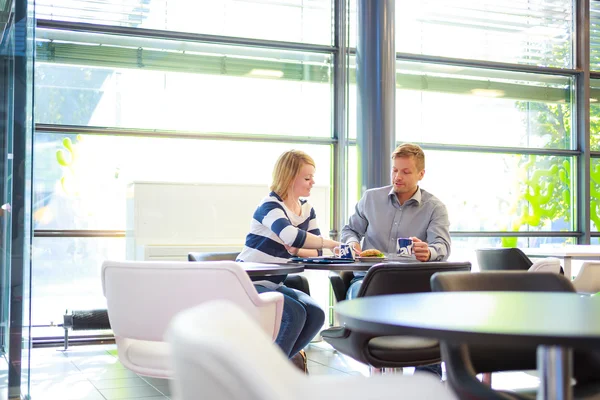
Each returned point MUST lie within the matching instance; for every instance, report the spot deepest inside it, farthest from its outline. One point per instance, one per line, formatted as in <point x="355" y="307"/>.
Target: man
<point x="400" y="210"/>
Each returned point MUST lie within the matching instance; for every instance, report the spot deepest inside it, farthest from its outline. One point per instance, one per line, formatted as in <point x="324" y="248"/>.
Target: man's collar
<point x="416" y="197"/>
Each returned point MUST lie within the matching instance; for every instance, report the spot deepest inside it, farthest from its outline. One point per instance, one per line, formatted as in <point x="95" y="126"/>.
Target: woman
<point x="284" y="226"/>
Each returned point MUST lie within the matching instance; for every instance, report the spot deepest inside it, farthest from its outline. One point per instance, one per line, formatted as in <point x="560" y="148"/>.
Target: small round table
<point x="554" y="322"/>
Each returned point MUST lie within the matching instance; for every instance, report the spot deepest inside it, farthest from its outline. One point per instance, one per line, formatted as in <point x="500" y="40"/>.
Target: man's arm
<point x="357" y="225"/>
<point x="438" y="234"/>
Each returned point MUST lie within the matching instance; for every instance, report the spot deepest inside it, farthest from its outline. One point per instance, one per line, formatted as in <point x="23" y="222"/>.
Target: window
<point x="595" y="115"/>
<point x="595" y="194"/>
<point x="496" y="192"/>
<point x="502" y="192"/>
<point x="533" y="32"/>
<point x="81" y="180"/>
<point x="457" y="105"/>
<point x="304" y="21"/>
<point x="208" y="89"/>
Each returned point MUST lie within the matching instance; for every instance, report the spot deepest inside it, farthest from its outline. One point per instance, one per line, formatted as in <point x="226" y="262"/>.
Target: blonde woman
<point x="284" y="225"/>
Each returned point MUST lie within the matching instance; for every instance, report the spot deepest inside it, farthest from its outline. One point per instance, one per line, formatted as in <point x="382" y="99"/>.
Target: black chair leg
<point x="462" y="377"/>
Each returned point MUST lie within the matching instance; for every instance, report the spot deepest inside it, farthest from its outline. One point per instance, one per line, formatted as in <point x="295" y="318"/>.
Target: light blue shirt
<point x="379" y="220"/>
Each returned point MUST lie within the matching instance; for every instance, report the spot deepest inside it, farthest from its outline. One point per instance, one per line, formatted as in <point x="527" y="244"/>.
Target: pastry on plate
<point x="372" y="253"/>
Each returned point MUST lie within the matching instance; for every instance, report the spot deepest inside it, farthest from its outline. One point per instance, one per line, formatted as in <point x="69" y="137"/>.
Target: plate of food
<point x="371" y="255"/>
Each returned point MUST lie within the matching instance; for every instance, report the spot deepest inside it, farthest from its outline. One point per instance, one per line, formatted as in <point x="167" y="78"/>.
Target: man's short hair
<point x="411" y="150"/>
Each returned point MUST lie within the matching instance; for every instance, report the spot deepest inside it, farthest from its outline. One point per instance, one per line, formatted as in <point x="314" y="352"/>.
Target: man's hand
<point x="421" y="249"/>
<point x="356" y="246"/>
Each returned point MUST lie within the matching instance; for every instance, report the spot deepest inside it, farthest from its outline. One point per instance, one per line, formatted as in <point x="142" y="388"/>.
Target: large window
<point x="81" y="184"/>
<point x="214" y="91"/>
<point x="477" y="109"/>
<point x="114" y="109"/>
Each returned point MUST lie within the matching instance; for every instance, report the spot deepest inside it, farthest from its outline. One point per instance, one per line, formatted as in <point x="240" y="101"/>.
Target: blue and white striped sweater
<point x="272" y="226"/>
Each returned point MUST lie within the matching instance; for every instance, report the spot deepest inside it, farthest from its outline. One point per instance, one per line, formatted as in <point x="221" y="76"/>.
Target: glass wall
<point x="16" y="128"/>
<point x="157" y="90"/>
<point x="488" y="89"/>
<point x="175" y="99"/>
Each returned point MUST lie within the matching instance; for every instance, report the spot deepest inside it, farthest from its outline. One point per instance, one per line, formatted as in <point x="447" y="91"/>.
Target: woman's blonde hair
<point x="286" y="169"/>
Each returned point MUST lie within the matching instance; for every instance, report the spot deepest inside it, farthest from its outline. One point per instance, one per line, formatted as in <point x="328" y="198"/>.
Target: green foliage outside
<point x="546" y="185"/>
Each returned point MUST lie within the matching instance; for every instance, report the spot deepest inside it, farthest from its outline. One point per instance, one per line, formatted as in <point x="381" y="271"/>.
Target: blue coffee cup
<point x="404" y="247"/>
<point x="344" y="251"/>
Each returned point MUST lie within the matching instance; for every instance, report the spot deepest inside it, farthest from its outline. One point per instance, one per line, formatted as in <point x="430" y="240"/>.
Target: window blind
<point x="302" y="21"/>
<point x="534" y="32"/>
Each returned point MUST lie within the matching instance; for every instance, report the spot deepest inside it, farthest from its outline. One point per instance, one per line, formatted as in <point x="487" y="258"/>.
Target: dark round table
<point x="554" y="322"/>
<point x="260" y="269"/>
<point x="357" y="265"/>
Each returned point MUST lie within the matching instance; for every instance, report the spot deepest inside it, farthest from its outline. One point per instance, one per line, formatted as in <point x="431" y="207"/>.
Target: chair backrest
<point x="500" y="358"/>
<point x="142" y="296"/>
<point x="223" y="256"/>
<point x="549" y="264"/>
<point x="229" y="358"/>
<point x="588" y="278"/>
<point x="511" y="281"/>
<point x="395" y="278"/>
<point x="504" y="259"/>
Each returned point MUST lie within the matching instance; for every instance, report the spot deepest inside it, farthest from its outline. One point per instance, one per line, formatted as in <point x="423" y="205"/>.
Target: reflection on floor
<point x="94" y="373"/>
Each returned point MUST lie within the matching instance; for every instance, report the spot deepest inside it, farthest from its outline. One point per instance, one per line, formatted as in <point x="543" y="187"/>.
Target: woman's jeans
<point x="302" y="319"/>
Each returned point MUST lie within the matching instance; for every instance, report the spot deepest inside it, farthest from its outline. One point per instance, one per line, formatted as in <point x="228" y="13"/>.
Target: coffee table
<point x="554" y="322"/>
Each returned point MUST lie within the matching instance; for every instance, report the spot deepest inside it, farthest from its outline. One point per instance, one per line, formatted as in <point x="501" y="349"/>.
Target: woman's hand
<point x="330" y="244"/>
<point x="292" y="250"/>
<point x="421" y="249"/>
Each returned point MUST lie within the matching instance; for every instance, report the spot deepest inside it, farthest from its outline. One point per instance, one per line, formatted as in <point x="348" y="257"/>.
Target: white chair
<point x="231" y="358"/>
<point x="588" y="278"/>
<point x="549" y="264"/>
<point x="143" y="296"/>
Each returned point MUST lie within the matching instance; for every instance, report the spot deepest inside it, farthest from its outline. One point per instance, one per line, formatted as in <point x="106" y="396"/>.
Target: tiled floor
<point x="94" y="373"/>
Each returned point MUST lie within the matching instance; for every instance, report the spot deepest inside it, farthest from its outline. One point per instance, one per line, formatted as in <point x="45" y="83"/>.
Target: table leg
<point x="555" y="368"/>
<point x="567" y="268"/>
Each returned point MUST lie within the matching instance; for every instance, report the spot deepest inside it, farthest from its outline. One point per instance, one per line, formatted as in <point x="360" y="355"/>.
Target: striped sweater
<point x="274" y="225"/>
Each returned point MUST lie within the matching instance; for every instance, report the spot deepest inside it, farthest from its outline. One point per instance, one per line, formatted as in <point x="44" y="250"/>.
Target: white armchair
<point x="231" y="358"/>
<point x="588" y="278"/>
<point x="143" y="296"/>
<point x="549" y="264"/>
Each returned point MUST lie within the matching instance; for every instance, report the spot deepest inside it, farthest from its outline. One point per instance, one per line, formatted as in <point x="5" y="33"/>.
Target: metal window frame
<point x="340" y="141"/>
